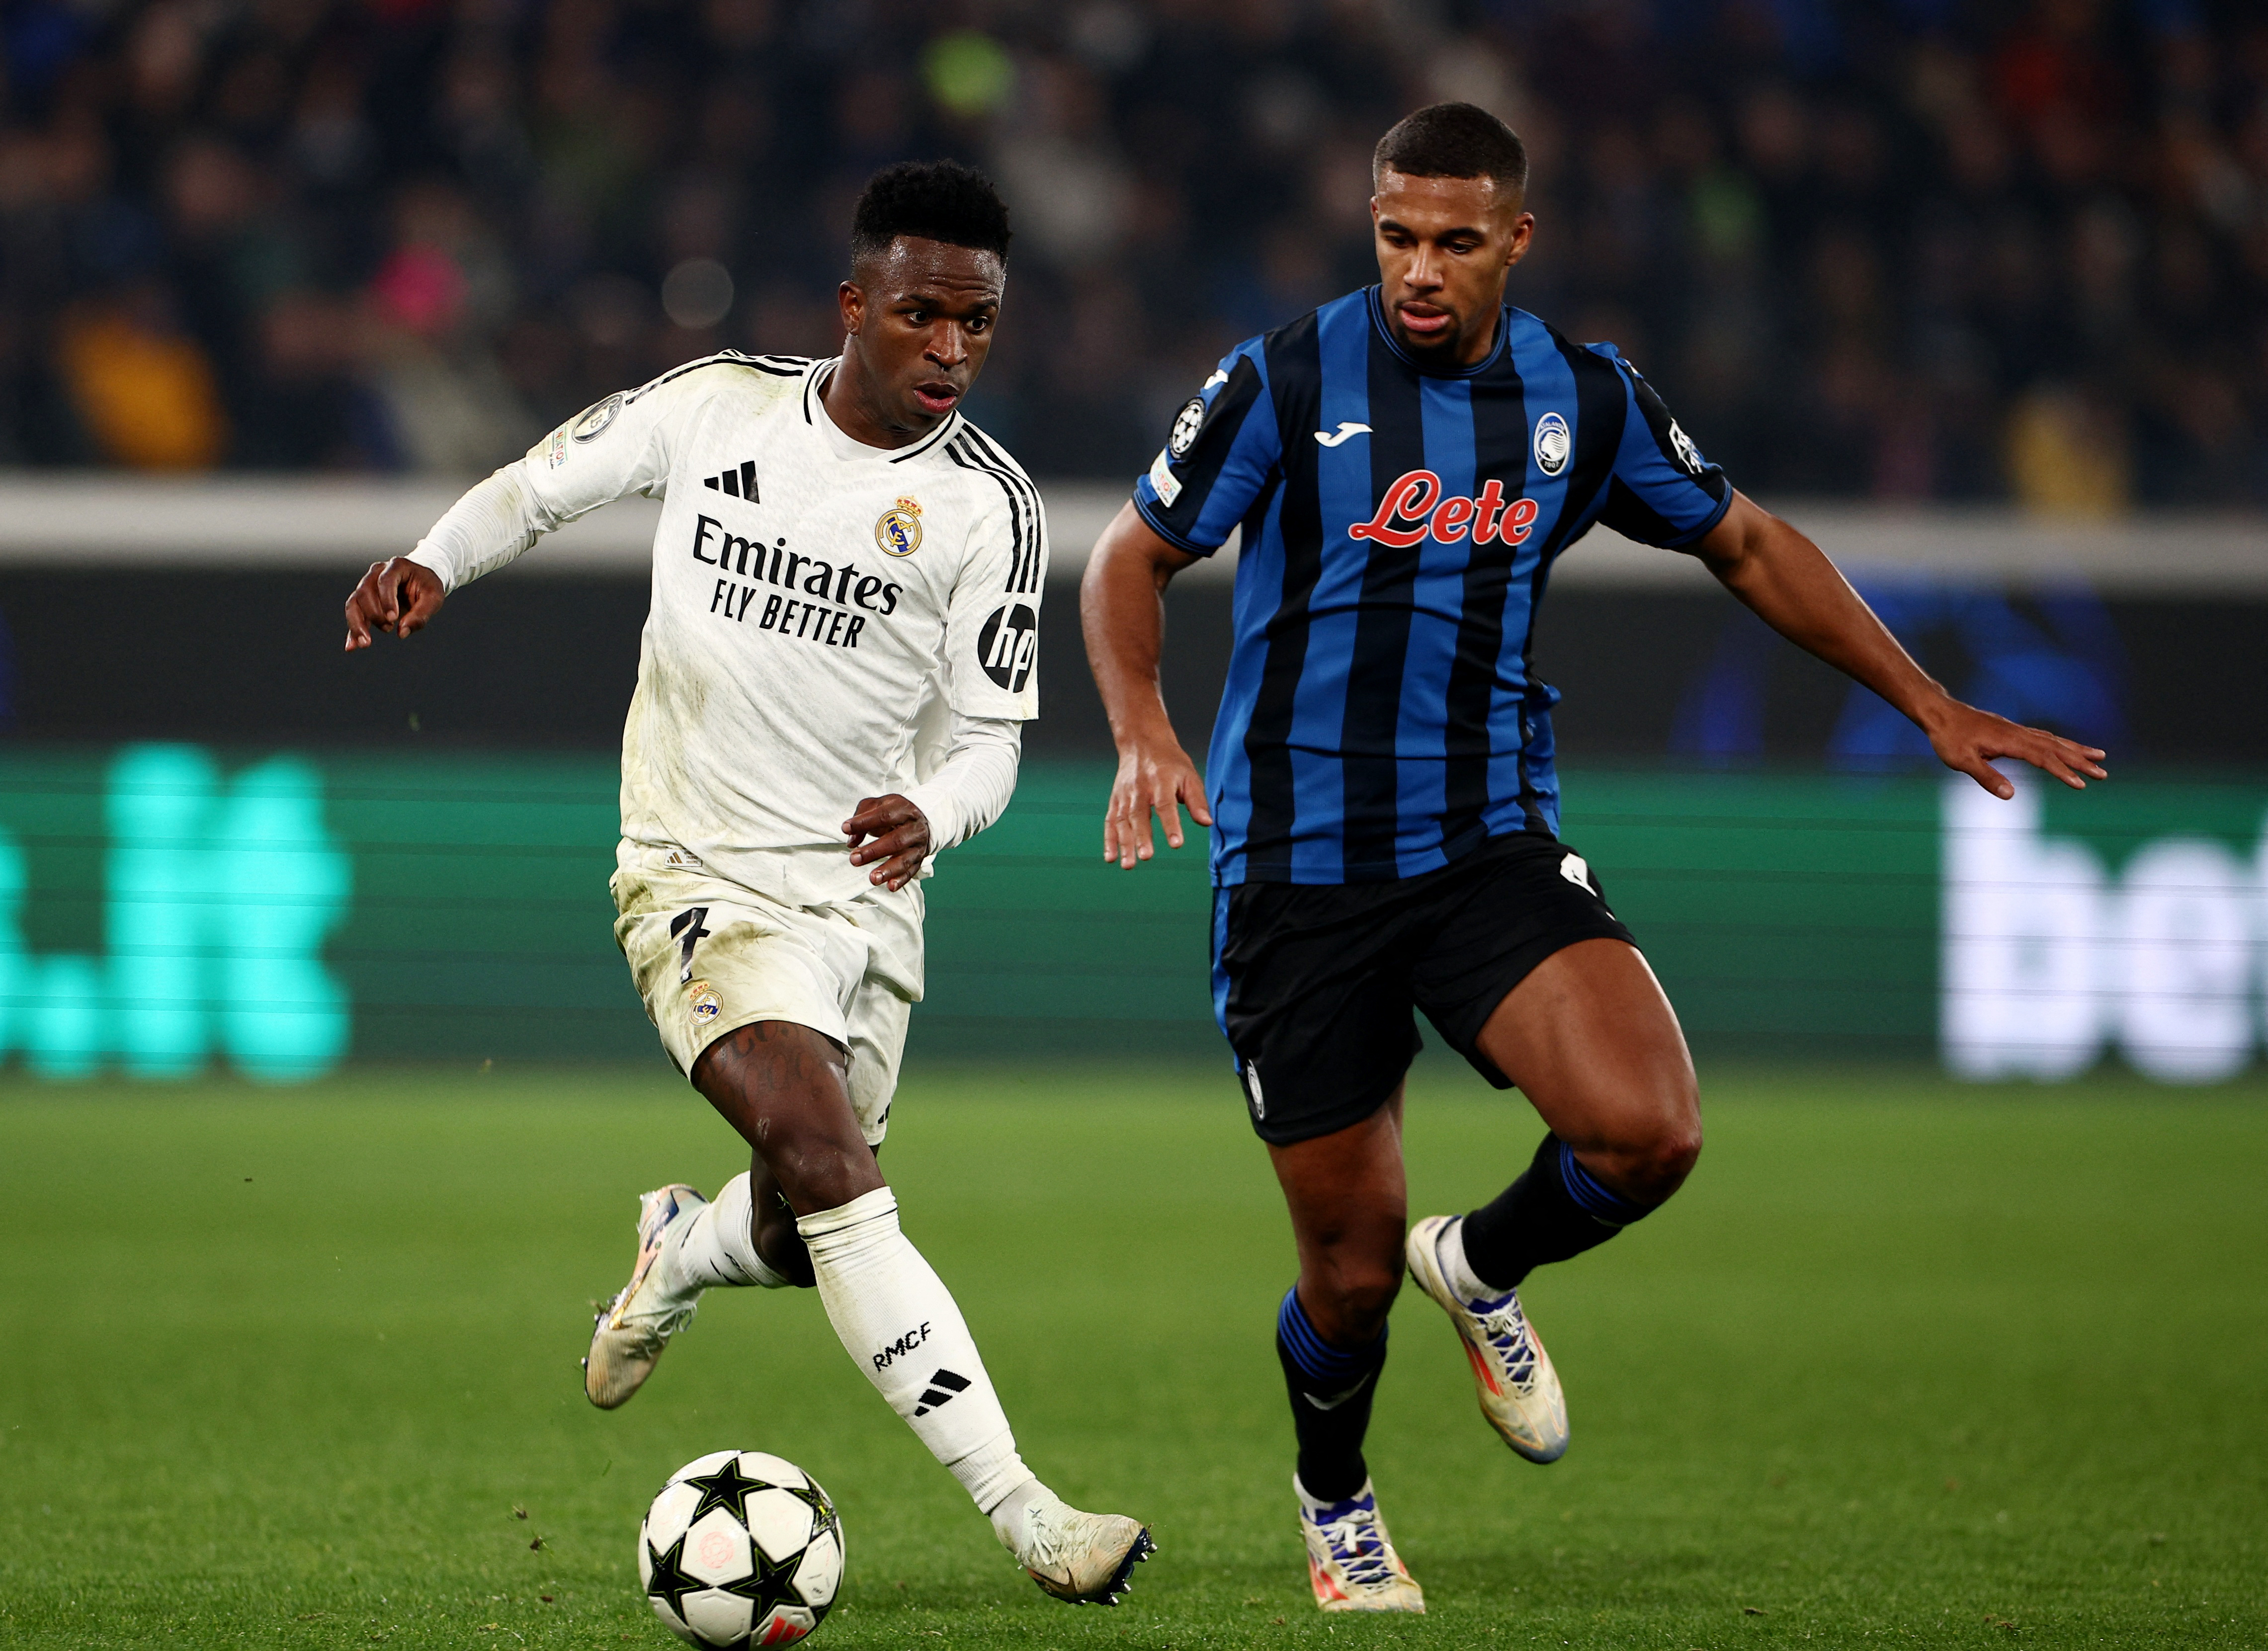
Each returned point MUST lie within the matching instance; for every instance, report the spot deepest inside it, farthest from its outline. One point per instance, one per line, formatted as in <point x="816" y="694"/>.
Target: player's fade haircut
<point x="1452" y="140"/>
<point x="929" y="200"/>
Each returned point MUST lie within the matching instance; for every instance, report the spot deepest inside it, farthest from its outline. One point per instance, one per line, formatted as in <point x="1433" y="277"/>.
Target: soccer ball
<point x="741" y="1549"/>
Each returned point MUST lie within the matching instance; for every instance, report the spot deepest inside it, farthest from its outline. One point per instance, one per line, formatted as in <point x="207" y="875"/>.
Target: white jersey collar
<point x="849" y="449"/>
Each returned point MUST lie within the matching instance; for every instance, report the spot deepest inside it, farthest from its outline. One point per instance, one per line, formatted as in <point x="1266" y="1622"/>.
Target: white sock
<point x="1014" y="1516"/>
<point x="899" y="1323"/>
<point x="718" y="1246"/>
<point x="1449" y="1250"/>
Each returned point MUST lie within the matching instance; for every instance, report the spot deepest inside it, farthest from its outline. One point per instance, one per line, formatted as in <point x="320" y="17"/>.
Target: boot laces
<point x="1505" y="1328"/>
<point x="1357" y="1543"/>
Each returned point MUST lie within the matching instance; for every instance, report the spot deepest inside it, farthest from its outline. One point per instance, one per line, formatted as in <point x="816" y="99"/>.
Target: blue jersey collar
<point x="1375" y="297"/>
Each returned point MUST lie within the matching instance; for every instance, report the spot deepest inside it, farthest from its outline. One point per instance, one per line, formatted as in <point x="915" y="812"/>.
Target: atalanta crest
<point x="1553" y="443"/>
<point x="897" y="531"/>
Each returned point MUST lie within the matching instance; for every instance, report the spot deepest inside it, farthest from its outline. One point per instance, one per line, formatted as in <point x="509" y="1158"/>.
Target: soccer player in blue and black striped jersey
<point x="1405" y="464"/>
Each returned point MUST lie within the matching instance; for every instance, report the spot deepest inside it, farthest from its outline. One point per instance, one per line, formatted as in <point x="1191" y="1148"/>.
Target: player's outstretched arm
<point x="399" y="595"/>
<point x="1121" y="611"/>
<point x="1794" y="588"/>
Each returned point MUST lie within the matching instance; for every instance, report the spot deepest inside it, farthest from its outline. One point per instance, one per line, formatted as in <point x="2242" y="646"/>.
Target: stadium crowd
<point x="1902" y="249"/>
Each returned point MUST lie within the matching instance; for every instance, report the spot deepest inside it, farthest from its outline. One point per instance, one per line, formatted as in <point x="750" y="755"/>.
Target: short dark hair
<point x="930" y="200"/>
<point x="1452" y="140"/>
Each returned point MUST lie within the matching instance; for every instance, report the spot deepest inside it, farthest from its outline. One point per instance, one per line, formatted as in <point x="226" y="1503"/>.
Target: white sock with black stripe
<point x="900" y="1323"/>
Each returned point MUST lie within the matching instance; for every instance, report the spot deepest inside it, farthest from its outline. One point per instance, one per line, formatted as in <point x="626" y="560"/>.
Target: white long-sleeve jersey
<point x="828" y="621"/>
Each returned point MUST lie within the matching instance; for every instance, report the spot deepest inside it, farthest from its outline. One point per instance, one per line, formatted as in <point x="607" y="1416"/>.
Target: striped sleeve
<point x="1218" y="458"/>
<point x="1662" y="491"/>
<point x="992" y="620"/>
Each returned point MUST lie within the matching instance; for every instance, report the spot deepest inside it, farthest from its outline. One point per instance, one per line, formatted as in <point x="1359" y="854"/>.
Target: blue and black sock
<point x="1331" y="1391"/>
<point x="1556" y="1209"/>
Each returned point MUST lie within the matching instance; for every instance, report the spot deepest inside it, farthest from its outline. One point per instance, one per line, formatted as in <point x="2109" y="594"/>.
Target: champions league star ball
<point x="741" y="1549"/>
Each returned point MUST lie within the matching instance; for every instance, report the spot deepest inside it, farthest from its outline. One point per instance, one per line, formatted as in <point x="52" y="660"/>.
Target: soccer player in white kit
<point x="846" y="589"/>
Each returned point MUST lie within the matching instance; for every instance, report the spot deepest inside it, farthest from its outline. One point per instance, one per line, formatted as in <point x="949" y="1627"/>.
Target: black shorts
<point x="1315" y="985"/>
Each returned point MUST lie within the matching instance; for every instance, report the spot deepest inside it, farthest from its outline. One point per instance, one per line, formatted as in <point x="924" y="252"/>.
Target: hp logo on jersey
<point x="1553" y="443"/>
<point x="1008" y="644"/>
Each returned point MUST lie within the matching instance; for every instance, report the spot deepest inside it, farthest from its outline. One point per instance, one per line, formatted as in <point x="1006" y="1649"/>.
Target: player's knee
<point x="1672" y="1156"/>
<point x="817" y="1172"/>
<point x="1656" y="1166"/>
<point x="1355" y="1297"/>
<point x="782" y="1248"/>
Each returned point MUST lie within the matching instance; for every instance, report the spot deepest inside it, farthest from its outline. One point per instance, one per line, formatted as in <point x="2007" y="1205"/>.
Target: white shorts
<point x="709" y="957"/>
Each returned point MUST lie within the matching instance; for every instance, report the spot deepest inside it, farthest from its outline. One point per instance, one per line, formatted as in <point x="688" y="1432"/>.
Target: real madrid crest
<point x="700" y="1000"/>
<point x="897" y="531"/>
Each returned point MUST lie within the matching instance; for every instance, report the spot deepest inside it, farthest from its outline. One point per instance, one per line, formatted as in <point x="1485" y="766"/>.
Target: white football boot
<point x="1518" y="1389"/>
<point x="1350" y="1559"/>
<point x="1081" y="1558"/>
<point x="637" y="1323"/>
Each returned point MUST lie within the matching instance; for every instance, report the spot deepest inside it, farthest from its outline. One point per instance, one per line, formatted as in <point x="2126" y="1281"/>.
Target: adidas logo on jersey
<point x="741" y="483"/>
<point x="941" y="1387"/>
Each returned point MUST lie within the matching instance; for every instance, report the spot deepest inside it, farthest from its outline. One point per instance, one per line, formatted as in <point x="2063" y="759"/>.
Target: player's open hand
<point x="893" y="832"/>
<point x="400" y="595"/>
<point x="1968" y="738"/>
<point x="1152" y="780"/>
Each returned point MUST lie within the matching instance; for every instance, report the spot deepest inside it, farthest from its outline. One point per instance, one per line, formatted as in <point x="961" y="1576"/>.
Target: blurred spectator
<point x="143" y="389"/>
<point x="1907" y="249"/>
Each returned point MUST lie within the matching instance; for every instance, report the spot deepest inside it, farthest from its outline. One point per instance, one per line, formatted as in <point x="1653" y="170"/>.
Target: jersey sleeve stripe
<point x="974" y="453"/>
<point x="959" y="454"/>
<point x="1027" y="577"/>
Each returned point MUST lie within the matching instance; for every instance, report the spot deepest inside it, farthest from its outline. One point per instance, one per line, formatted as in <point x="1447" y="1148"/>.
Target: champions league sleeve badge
<point x="1187" y="423"/>
<point x="593" y="424"/>
<point x="1688" y="455"/>
<point x="897" y="530"/>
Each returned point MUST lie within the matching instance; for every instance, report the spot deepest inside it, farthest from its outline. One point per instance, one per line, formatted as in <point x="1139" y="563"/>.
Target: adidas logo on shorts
<point x="741" y="483"/>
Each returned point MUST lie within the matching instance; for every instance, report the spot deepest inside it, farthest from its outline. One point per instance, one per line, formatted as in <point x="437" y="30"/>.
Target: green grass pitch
<point x="1908" y="1362"/>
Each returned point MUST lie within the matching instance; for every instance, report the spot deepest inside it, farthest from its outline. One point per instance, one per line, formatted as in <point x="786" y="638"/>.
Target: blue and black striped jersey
<point x="1380" y="716"/>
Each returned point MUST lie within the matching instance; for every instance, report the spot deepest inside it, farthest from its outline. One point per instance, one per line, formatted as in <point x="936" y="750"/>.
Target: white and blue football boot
<point x="1350" y="1559"/>
<point x="637" y="1323"/>
<point x="1518" y="1389"/>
